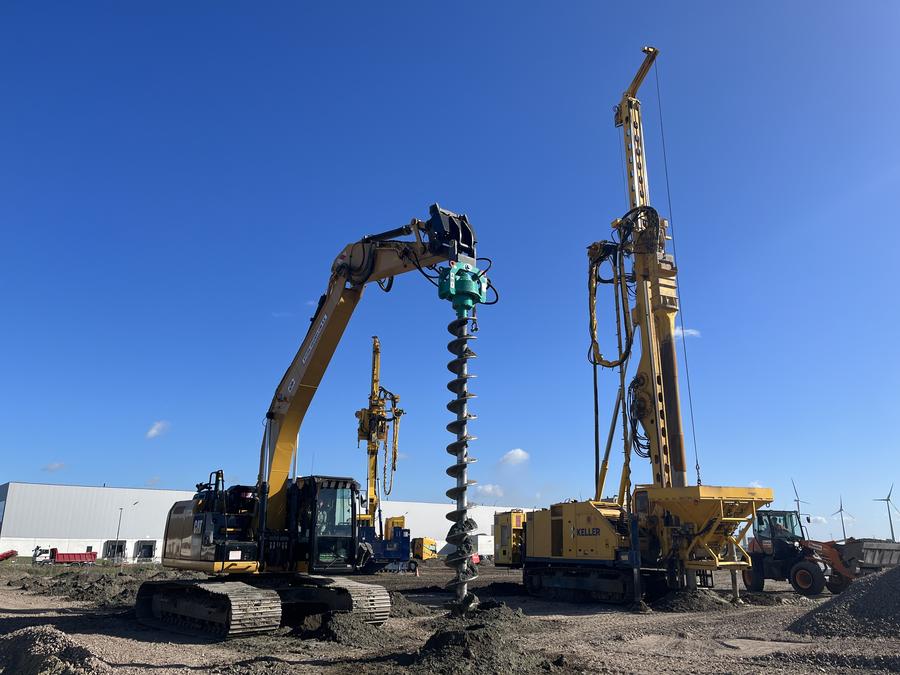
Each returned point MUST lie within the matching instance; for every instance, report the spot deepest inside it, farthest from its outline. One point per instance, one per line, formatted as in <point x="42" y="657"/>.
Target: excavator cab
<point x="322" y="513"/>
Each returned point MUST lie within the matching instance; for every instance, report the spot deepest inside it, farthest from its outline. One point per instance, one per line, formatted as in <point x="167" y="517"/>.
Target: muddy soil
<point x="512" y="632"/>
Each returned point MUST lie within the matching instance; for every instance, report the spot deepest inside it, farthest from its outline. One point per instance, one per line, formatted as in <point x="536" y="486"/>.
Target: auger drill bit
<point x="465" y="286"/>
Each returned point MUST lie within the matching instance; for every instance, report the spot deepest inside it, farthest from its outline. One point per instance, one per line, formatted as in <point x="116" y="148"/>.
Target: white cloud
<point x="755" y="484"/>
<point x="687" y="332"/>
<point x="515" y="456"/>
<point x="158" y="429"/>
<point x="53" y="467"/>
<point x="489" y="490"/>
<point x="818" y="520"/>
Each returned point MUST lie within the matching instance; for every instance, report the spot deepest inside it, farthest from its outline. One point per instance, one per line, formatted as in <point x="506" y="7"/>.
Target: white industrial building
<point x="131" y="522"/>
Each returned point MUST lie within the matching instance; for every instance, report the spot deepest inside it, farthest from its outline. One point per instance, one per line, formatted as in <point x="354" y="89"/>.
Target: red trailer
<point x="8" y="554"/>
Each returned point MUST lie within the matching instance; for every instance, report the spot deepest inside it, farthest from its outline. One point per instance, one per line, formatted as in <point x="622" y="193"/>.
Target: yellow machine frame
<point x="677" y="529"/>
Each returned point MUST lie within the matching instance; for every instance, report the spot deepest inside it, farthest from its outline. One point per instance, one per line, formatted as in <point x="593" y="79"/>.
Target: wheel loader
<point x="781" y="551"/>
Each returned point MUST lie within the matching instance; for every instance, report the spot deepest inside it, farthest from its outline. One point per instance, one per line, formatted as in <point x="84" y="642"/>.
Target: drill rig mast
<point x="376" y="422"/>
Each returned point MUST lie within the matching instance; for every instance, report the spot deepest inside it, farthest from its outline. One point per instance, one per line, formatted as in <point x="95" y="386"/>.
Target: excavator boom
<point x="446" y="236"/>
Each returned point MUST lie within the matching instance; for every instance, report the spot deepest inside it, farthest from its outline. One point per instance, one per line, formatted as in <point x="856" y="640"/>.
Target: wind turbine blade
<point x="796" y="494"/>
<point x="836" y="512"/>
<point x="890" y="491"/>
<point x="895" y="508"/>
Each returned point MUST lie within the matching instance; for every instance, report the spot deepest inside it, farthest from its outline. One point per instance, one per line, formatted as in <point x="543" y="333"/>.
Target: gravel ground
<point x="514" y="633"/>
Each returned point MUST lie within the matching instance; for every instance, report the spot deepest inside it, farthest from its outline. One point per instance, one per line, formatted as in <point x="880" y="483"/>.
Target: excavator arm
<point x="444" y="237"/>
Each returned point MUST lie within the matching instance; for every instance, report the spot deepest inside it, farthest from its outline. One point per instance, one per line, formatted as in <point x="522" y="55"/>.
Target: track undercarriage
<point x="252" y="605"/>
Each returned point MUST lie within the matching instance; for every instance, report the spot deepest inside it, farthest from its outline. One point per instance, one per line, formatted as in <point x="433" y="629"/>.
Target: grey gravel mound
<point x="870" y="607"/>
<point x="44" y="650"/>
<point x="698" y="600"/>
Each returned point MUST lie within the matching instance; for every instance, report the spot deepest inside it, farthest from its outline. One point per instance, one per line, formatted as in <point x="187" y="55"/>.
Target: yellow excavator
<point x="285" y="547"/>
<point x="663" y="535"/>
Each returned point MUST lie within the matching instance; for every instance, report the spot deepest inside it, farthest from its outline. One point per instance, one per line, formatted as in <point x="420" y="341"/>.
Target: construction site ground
<point x="41" y="632"/>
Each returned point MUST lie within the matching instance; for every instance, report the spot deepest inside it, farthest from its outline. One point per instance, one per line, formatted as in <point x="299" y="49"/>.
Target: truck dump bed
<point x="70" y="558"/>
<point x="864" y="556"/>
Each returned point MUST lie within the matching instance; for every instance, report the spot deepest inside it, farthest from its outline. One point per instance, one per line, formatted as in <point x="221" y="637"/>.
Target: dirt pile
<point x="498" y="589"/>
<point x="764" y="599"/>
<point x="103" y="587"/>
<point x="44" y="650"/>
<point x="698" y="600"/>
<point x="346" y="629"/>
<point x="404" y="608"/>
<point x="870" y="607"/>
<point x="487" y="640"/>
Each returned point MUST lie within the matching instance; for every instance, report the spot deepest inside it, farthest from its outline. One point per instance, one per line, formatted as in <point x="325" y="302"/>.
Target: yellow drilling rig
<point x="668" y="534"/>
<point x="388" y="539"/>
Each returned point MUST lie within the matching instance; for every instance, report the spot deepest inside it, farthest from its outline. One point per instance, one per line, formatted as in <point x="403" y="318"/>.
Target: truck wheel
<point x="807" y="578"/>
<point x="837" y="583"/>
<point x="753" y="579"/>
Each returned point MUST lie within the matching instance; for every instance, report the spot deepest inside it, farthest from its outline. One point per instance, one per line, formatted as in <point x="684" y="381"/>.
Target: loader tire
<point x="753" y="578"/>
<point x="837" y="583"/>
<point x="807" y="578"/>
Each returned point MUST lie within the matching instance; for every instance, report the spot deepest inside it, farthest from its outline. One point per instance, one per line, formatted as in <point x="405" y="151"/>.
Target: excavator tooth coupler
<point x="666" y="534"/>
<point x="284" y="547"/>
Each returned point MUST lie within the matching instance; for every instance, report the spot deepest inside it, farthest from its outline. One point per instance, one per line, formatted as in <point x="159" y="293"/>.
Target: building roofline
<point x="97" y="487"/>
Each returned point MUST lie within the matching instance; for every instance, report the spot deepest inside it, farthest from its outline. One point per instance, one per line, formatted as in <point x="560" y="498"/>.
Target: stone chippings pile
<point x="869" y="608"/>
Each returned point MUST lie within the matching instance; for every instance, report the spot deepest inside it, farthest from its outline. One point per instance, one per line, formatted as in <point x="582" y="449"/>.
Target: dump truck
<point x="52" y="556"/>
<point x="780" y="550"/>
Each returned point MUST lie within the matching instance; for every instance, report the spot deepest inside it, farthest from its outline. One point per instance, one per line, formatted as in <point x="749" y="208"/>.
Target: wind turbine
<point x="798" y="502"/>
<point x="888" y="503"/>
<point x="841" y="511"/>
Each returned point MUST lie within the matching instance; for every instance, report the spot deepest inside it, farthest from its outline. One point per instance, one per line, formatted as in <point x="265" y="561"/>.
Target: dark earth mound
<point x="44" y="650"/>
<point x="698" y="600"/>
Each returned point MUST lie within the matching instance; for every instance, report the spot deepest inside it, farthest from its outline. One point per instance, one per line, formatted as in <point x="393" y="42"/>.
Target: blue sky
<point x="177" y="180"/>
